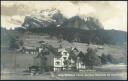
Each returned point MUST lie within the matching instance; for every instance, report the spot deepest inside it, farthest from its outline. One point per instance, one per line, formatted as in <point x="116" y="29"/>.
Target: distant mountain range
<point x="46" y="18"/>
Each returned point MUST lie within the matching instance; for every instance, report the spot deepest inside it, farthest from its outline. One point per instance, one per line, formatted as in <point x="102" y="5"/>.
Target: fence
<point x="69" y="68"/>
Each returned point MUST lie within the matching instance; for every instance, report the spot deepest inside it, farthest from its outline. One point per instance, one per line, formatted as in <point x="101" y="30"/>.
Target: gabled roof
<point x="41" y="42"/>
<point x="81" y="54"/>
<point x="62" y="49"/>
<point x="75" y="49"/>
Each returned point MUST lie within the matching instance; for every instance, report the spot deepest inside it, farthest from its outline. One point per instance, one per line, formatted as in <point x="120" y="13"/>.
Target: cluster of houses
<point x="62" y="59"/>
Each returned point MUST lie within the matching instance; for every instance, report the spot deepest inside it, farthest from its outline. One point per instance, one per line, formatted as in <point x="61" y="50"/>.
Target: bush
<point x="108" y="59"/>
<point x="104" y="59"/>
<point x="111" y="59"/>
<point x="13" y="44"/>
<point x="91" y="59"/>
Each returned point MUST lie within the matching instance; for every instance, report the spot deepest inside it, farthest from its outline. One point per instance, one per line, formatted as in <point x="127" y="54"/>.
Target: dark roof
<point x="81" y="54"/>
<point x="75" y="49"/>
<point x="41" y="42"/>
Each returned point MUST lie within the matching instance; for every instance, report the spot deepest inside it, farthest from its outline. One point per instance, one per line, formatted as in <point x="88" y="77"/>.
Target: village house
<point x="79" y="63"/>
<point x="65" y="55"/>
<point x="59" y="60"/>
<point x="29" y="50"/>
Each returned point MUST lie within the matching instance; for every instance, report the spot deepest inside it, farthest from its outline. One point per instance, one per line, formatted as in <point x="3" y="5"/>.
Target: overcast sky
<point x="112" y="14"/>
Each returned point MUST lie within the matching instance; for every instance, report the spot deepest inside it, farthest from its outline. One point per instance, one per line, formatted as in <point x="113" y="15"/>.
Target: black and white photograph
<point x="63" y="40"/>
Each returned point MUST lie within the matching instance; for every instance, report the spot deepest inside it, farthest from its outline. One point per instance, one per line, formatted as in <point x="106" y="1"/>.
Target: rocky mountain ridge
<point x="53" y="17"/>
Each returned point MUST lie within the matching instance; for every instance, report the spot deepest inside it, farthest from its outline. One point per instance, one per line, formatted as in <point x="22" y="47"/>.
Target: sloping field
<point x="117" y="51"/>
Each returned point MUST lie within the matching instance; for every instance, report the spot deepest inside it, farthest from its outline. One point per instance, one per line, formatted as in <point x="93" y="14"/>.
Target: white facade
<point x="59" y="62"/>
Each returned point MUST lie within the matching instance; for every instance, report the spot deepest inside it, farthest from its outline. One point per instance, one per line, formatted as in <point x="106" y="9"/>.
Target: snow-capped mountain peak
<point x="45" y="14"/>
<point x="53" y="17"/>
<point x="44" y="18"/>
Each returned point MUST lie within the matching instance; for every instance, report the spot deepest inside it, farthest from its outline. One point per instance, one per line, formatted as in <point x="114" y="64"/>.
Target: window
<point x="57" y="63"/>
<point x="65" y="53"/>
<point x="64" y="58"/>
<point x="59" y="52"/>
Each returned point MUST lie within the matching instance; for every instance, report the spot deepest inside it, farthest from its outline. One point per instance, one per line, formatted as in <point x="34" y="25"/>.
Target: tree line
<point x="83" y="36"/>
